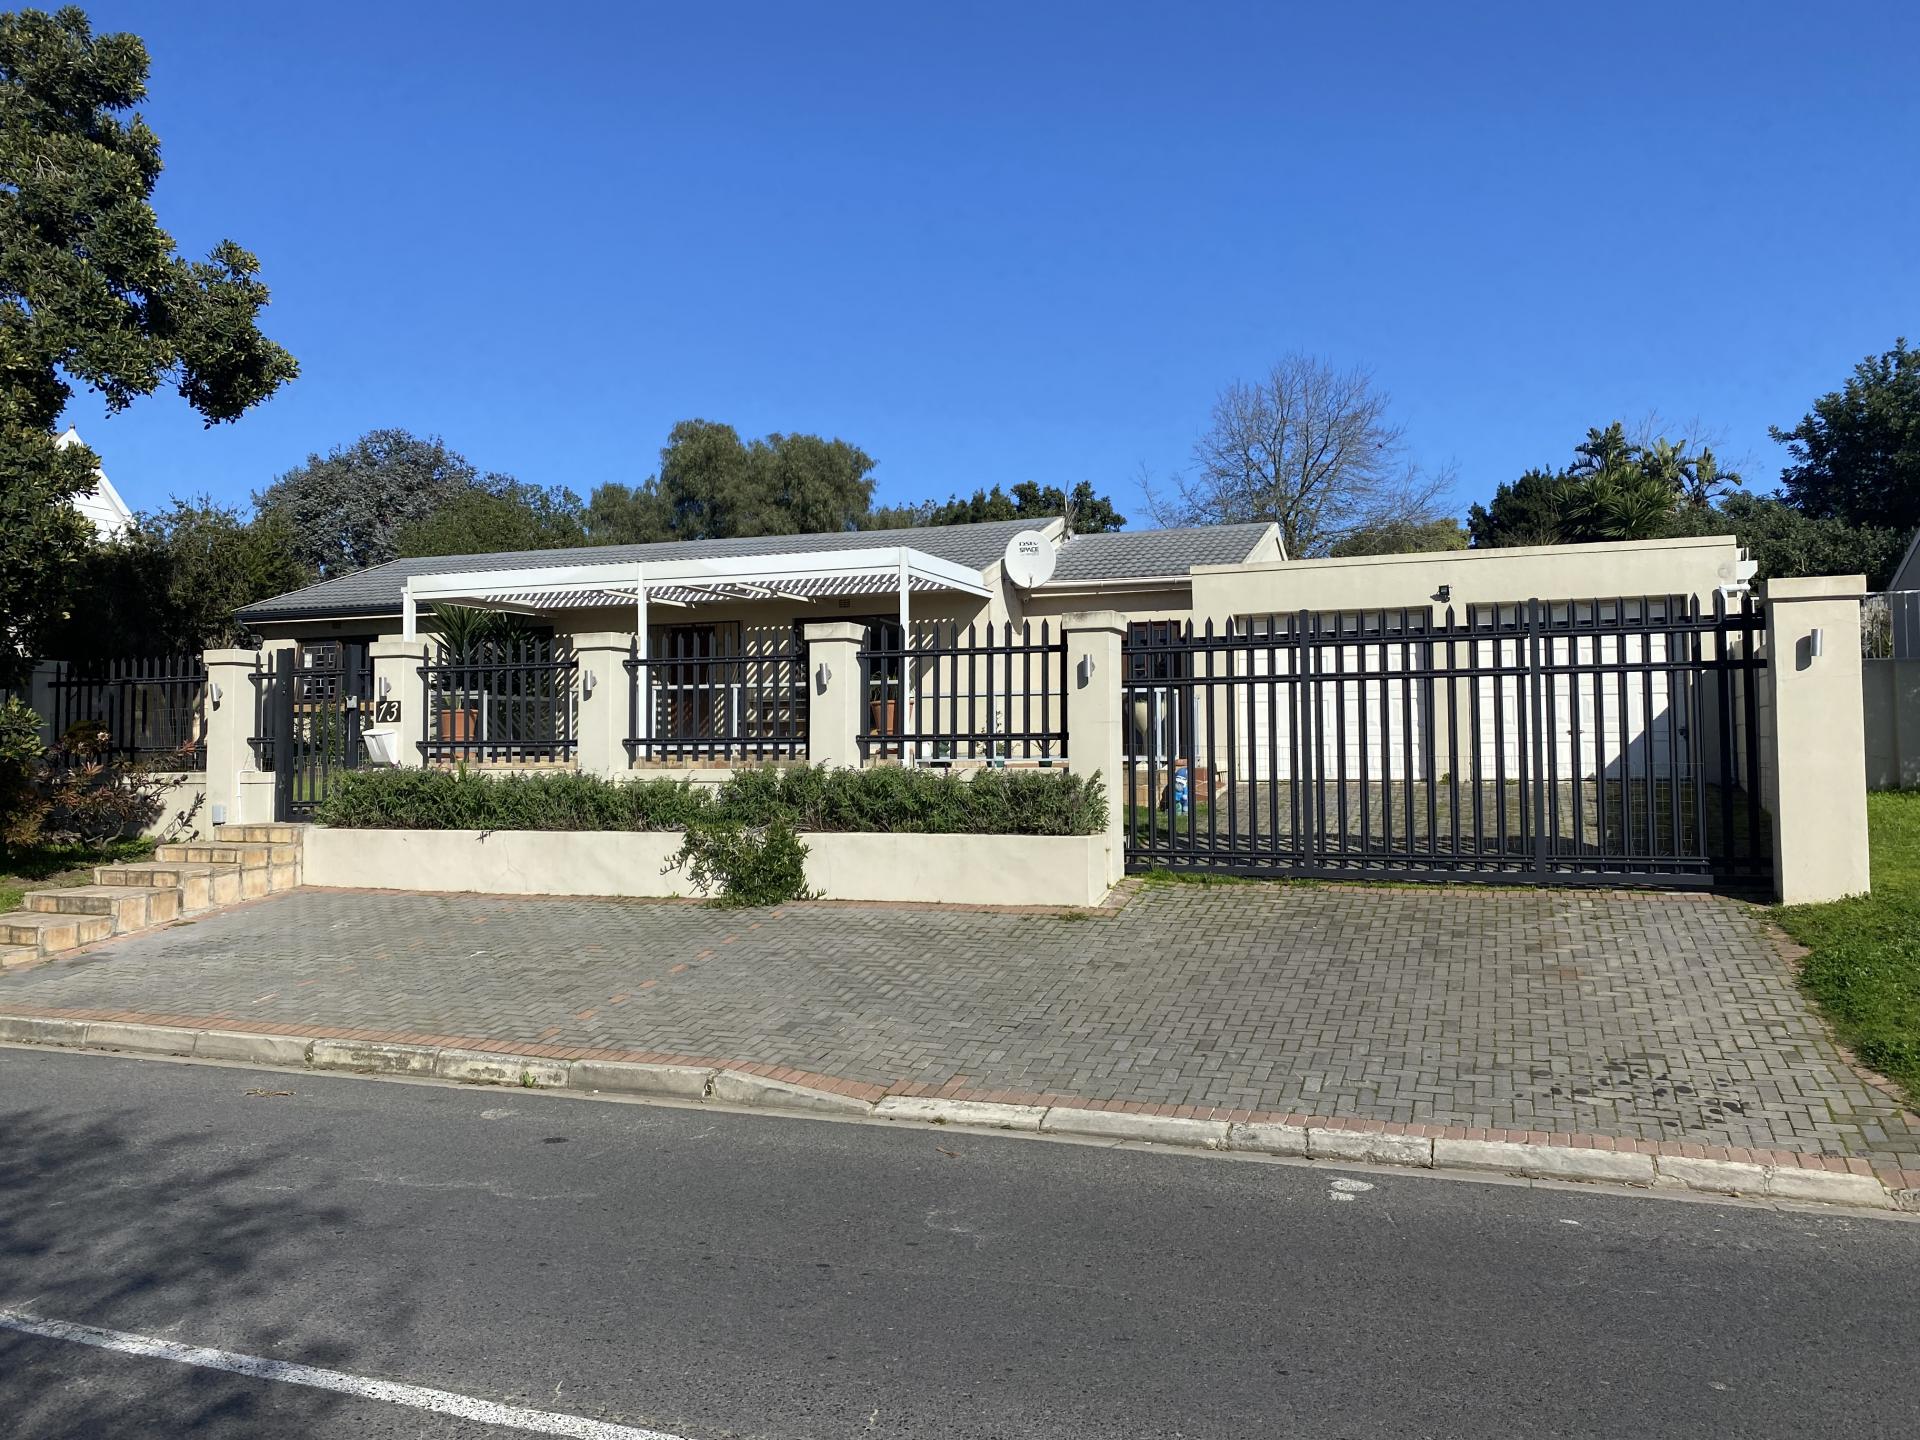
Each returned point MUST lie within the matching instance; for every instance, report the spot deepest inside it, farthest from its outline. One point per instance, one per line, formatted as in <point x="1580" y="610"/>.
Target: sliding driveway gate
<point x="1598" y="742"/>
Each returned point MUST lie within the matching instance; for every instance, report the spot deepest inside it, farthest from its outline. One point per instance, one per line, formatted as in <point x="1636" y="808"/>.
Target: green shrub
<point x="746" y="865"/>
<point x="800" y="798"/>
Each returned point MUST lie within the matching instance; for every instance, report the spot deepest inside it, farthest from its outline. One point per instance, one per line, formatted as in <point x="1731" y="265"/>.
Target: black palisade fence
<point x="152" y="707"/>
<point x="991" y="694"/>
<point x="502" y="702"/>
<point x="718" y="694"/>
<point x="1597" y="741"/>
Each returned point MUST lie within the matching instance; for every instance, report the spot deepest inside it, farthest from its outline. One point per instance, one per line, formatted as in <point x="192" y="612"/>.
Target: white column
<point x="606" y="700"/>
<point x="397" y="680"/>
<point x="836" y="708"/>
<point x="232" y="707"/>
<point x="41" y="697"/>
<point x="1818" y="741"/>
<point x="1094" y="734"/>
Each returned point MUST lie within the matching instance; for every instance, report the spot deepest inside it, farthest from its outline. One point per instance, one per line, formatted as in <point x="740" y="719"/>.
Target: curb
<point x="1332" y="1141"/>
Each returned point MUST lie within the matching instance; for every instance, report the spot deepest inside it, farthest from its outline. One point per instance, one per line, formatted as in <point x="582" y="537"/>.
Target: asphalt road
<point x="717" y="1275"/>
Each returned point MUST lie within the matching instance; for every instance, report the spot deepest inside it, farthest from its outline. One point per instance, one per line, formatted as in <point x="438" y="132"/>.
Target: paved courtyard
<point x="1655" y="1017"/>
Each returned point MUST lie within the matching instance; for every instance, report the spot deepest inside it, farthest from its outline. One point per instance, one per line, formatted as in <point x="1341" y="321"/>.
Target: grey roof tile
<point x="1153" y="554"/>
<point x="1127" y="555"/>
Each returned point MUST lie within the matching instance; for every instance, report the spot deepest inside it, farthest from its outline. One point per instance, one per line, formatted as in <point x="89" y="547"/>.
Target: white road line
<point x="418" y="1397"/>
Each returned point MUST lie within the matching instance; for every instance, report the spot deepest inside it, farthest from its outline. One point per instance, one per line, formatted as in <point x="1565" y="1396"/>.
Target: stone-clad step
<point x="199" y="885"/>
<point x="50" y="934"/>
<point x="130" y="907"/>
<point x="241" y="862"/>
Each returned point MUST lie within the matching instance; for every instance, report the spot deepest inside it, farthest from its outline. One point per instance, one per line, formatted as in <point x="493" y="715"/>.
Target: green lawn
<point x="40" y="867"/>
<point x="1864" y="969"/>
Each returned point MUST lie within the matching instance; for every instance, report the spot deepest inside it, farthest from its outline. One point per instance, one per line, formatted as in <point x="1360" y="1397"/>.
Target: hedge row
<point x="804" y="797"/>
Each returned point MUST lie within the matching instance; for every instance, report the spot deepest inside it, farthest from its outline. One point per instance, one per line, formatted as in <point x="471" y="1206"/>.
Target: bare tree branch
<point x="1309" y="448"/>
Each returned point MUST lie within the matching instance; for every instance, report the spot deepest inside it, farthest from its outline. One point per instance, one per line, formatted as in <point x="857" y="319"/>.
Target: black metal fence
<point x="152" y="707"/>
<point x="986" y="694"/>
<point x="719" y="695"/>
<point x="1608" y="741"/>
<point x="502" y="702"/>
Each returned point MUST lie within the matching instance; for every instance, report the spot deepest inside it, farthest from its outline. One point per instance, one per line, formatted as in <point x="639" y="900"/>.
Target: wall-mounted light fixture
<point x="1443" y="594"/>
<point x="386" y="687"/>
<point x="1816" y="642"/>
<point x="1086" y="669"/>
<point x="825" y="677"/>
<point x="587" y="682"/>
<point x="214" y="692"/>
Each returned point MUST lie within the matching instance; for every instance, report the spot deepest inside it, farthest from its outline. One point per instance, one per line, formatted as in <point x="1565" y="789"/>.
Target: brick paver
<point x="1653" y="1017"/>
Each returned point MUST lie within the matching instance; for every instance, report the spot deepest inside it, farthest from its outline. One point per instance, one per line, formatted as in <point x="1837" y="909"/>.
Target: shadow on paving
<point x="159" y="1234"/>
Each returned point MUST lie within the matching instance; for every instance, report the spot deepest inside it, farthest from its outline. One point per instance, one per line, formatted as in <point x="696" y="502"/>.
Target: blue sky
<point x="991" y="243"/>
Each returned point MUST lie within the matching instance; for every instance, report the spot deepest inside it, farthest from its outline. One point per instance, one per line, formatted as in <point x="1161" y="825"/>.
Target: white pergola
<point x="898" y="570"/>
<point x="801" y="576"/>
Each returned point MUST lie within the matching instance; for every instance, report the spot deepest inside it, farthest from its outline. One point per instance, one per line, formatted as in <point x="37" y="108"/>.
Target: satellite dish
<point x="1029" y="559"/>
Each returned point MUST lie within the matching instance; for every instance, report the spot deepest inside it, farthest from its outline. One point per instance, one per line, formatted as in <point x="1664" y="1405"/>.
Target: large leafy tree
<point x="347" y="508"/>
<point x="1312" y="449"/>
<point x="171" y="584"/>
<point x="1787" y="541"/>
<point x="490" y="518"/>
<point x="716" y="486"/>
<point x="1088" y="511"/>
<point x="1616" y="488"/>
<point x="93" y="292"/>
<point x="619" y="514"/>
<point x="1856" y="454"/>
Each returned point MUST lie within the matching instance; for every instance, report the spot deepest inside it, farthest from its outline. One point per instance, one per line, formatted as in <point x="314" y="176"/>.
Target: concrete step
<point x="259" y="834"/>
<point x="130" y="907"/>
<point x="199" y="885"/>
<point x="249" y="856"/>
<point x="50" y="934"/>
<point x="12" y="955"/>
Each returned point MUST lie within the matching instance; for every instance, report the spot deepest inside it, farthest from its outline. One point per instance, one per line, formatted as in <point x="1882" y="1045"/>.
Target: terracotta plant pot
<point x="457" y="724"/>
<point x="881" y="715"/>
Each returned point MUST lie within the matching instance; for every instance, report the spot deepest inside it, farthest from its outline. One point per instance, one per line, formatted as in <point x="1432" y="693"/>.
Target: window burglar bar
<point x="1603" y="741"/>
<point x="153" y="708"/>
<point x="504" y="702"/>
<point x="995" y="696"/>
<point x="713" y="695"/>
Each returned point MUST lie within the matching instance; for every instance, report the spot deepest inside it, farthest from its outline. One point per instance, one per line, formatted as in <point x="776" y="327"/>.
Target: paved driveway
<point x="1656" y="1017"/>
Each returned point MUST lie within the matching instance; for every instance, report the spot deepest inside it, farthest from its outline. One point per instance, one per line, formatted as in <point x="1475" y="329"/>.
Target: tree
<point x="488" y="519"/>
<point x="171" y="584"/>
<point x="345" y="509"/>
<point x="1403" y="538"/>
<point x="620" y="514"/>
<point x="1615" y="489"/>
<point x="1856" y="453"/>
<point x="1309" y="448"/>
<point x="93" y="291"/>
<point x="716" y="487"/>
<point x="1785" y="542"/>
<point x="1091" y="513"/>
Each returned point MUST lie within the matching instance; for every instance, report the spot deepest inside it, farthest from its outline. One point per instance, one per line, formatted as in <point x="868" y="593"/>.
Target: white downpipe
<point x="409" y="613"/>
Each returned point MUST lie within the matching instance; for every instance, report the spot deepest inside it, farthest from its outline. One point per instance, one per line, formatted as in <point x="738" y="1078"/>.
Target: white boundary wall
<point x="1053" y="870"/>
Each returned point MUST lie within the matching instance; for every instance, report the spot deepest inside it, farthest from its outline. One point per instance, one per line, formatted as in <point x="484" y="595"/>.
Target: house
<point x="101" y="506"/>
<point x="961" y="661"/>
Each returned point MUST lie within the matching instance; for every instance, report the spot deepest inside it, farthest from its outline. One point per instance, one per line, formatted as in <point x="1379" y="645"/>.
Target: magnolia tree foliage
<point x="93" y="292"/>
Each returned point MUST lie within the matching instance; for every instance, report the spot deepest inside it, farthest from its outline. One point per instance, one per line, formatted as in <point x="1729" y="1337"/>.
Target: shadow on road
<point x="180" y="1235"/>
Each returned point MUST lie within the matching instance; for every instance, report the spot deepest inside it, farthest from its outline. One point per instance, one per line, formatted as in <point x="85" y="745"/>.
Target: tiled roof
<point x="1138" y="554"/>
<point x="1153" y="554"/>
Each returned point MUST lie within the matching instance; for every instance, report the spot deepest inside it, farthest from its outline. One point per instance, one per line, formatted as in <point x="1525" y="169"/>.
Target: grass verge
<point x="1863" y="965"/>
<point x="41" y="867"/>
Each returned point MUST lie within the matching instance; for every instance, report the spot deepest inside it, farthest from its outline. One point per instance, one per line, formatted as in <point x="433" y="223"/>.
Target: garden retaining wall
<point x="1051" y="870"/>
